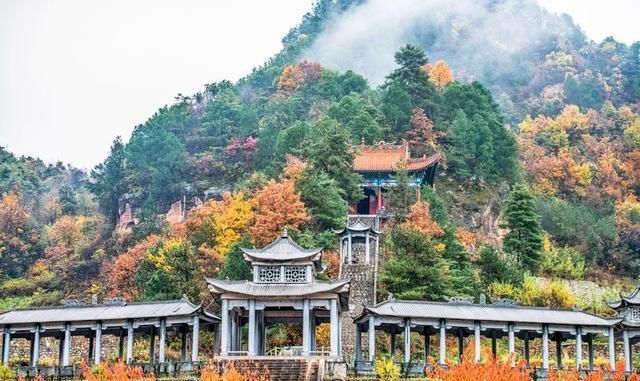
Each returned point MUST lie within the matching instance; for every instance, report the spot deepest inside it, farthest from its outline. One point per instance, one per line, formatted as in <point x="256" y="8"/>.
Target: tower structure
<point x="359" y="246"/>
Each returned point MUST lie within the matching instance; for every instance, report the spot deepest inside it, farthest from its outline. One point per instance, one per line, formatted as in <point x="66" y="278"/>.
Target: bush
<point x="230" y="373"/>
<point x="387" y="370"/>
<point x="114" y="372"/>
<point x="490" y="369"/>
<point x="554" y="294"/>
<point x="6" y="373"/>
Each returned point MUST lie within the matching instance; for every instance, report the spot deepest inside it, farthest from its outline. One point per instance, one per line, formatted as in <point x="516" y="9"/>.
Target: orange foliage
<point x="489" y="370"/>
<point x="115" y="372"/>
<point x="597" y="375"/>
<point x="333" y="263"/>
<point x="440" y="75"/>
<point x="121" y="276"/>
<point x="420" y="136"/>
<point x="294" y="167"/>
<point x="420" y="219"/>
<point x="278" y="205"/>
<point x="291" y="79"/>
<point x="467" y="238"/>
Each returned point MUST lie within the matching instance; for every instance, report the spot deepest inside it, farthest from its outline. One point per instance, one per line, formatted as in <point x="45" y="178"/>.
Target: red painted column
<point x="379" y="199"/>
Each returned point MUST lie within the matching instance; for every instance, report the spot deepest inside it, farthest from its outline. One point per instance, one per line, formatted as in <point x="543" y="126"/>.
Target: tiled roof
<point x="357" y="226"/>
<point x="217" y="286"/>
<point x="486" y="312"/>
<point x="283" y="249"/>
<point x="633" y="299"/>
<point x="102" y="312"/>
<point x="384" y="157"/>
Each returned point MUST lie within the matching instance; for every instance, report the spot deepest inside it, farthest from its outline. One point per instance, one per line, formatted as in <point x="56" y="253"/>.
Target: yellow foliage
<point x="546" y="293"/>
<point x="502" y="290"/>
<point x="628" y="209"/>
<point x="290" y="80"/>
<point x="572" y="118"/>
<point x="387" y="370"/>
<point x="583" y="176"/>
<point x="440" y="75"/>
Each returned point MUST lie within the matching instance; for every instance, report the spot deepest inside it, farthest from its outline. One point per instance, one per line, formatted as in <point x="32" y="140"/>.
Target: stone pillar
<point x="460" y="345"/>
<point x="559" y="353"/>
<point x="590" y="350"/>
<point x="494" y="344"/>
<point x="372" y="339"/>
<point x="130" y="334"/>
<point x="358" y="343"/>
<point x="578" y="348"/>
<point x="196" y="338"/>
<point x="476" y="341"/>
<point x="224" y="328"/>
<point x="349" y="250"/>
<point x="367" y="250"/>
<point x="427" y="346"/>
<point x="35" y="346"/>
<point x="392" y="345"/>
<point x="545" y="347"/>
<point x="251" y="340"/>
<point x="526" y="348"/>
<point x="627" y="351"/>
<point x="442" y="356"/>
<point x="234" y="331"/>
<point x="306" y="327"/>
<point x="60" y="349"/>
<point x="66" y="348"/>
<point x="183" y="343"/>
<point x="512" y="344"/>
<point x="91" y="346"/>
<point x="6" y="345"/>
<point x="612" y="348"/>
<point x="121" y="344"/>
<point x="407" y="340"/>
<point x="163" y="340"/>
<point x="152" y="344"/>
<point x="335" y="328"/>
<point x="97" y="349"/>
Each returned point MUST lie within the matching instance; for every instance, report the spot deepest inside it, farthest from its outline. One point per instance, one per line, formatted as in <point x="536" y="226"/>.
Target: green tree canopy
<point x="524" y="239"/>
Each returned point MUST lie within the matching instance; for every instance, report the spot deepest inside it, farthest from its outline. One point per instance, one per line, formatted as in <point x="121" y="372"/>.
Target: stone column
<point x="427" y="346"/>
<point x="372" y="339"/>
<point x="121" y="344"/>
<point x="442" y="356"/>
<point x="494" y="344"/>
<point x="476" y="341"/>
<point x="559" y="353"/>
<point x="612" y="348"/>
<point x="590" y="350"/>
<point x="306" y="327"/>
<point x="195" y="338"/>
<point x="627" y="351"/>
<point x="152" y="344"/>
<point x="251" y="340"/>
<point x="367" y="249"/>
<point x="224" y="328"/>
<point x="335" y="329"/>
<point x="183" y="343"/>
<point x="460" y="345"/>
<point x="578" y="348"/>
<point x="66" y="348"/>
<point x="163" y="340"/>
<point x="526" y="348"/>
<point x="130" y="334"/>
<point x="512" y="344"/>
<point x="349" y="249"/>
<point x="545" y="347"/>
<point x="407" y="340"/>
<point x="234" y="331"/>
<point x="392" y="344"/>
<point x="91" y="346"/>
<point x="97" y="349"/>
<point x="6" y="345"/>
<point x="35" y="346"/>
<point x="358" y="343"/>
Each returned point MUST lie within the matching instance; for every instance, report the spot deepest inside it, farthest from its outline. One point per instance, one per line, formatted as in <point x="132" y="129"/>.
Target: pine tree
<point x="235" y="267"/>
<point x="402" y="196"/>
<point x="525" y="236"/>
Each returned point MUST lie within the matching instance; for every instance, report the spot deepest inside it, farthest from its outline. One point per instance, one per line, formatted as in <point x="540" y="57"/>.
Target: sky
<point x="74" y="74"/>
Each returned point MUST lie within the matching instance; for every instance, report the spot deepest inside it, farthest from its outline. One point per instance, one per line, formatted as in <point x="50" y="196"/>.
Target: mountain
<point x="506" y="92"/>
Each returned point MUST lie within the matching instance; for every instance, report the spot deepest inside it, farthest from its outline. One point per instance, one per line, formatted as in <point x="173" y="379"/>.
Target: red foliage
<point x="121" y="274"/>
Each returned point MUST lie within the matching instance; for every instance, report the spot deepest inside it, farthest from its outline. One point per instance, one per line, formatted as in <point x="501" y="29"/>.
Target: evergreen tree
<point x="414" y="269"/>
<point x="402" y="196"/>
<point x="68" y="202"/>
<point x="108" y="181"/>
<point x="327" y="148"/>
<point x="497" y="267"/>
<point x="410" y="74"/>
<point x="359" y="115"/>
<point x="525" y="236"/>
<point x="235" y="267"/>
<point x="322" y="198"/>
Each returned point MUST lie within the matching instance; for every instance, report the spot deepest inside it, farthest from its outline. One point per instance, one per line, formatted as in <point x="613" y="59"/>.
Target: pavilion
<point x="284" y="289"/>
<point x="113" y="317"/>
<point x="378" y="165"/>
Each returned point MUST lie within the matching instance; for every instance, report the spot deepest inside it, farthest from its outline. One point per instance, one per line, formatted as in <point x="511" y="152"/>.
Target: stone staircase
<point x="281" y="369"/>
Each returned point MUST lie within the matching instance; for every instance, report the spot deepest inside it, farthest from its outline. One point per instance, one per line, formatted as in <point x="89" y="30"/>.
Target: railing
<point x="297" y="351"/>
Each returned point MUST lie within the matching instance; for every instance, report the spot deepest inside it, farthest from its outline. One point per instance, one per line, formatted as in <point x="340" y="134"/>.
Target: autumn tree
<point x="278" y="206"/>
<point x="524" y="238"/>
<point x="119" y="276"/>
<point x="419" y="218"/>
<point x="440" y="75"/>
<point x="420" y="136"/>
<point x="19" y="237"/>
<point x="291" y="79"/>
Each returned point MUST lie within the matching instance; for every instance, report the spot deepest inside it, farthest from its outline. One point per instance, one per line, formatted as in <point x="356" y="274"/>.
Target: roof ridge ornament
<point x="115" y="301"/>
<point x="285" y="232"/>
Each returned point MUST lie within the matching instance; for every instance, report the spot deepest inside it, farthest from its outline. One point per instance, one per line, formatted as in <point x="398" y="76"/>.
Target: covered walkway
<point x="115" y="317"/>
<point x="491" y="321"/>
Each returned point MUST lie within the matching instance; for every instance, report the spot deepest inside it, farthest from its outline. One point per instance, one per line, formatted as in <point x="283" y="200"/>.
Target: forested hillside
<point x="540" y="175"/>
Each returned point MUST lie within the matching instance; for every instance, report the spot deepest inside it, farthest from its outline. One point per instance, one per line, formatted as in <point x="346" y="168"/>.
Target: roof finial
<point x="285" y="232"/>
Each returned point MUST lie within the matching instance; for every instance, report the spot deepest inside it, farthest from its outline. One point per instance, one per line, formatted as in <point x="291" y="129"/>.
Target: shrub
<point x="387" y="370"/>
<point x="6" y="373"/>
<point x="114" y="372"/>
<point x="229" y="373"/>
<point x="490" y="369"/>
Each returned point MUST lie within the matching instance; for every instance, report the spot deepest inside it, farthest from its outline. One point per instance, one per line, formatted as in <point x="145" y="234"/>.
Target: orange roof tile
<point x="386" y="157"/>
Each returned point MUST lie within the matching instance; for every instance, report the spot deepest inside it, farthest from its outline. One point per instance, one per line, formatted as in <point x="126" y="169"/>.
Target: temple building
<point x="378" y="165"/>
<point x="283" y="290"/>
<point x="628" y="310"/>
